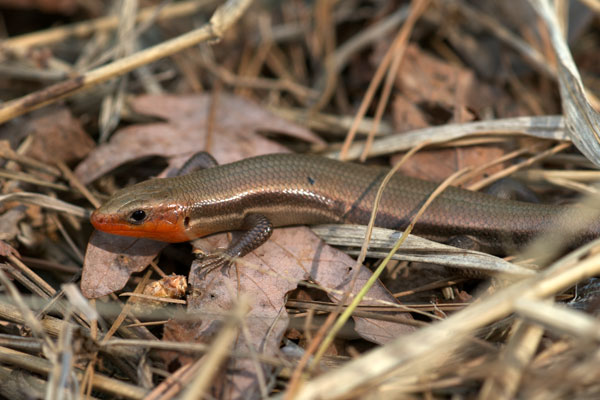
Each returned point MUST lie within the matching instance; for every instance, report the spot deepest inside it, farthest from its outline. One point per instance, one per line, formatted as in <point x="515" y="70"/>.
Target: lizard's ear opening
<point x="137" y="217"/>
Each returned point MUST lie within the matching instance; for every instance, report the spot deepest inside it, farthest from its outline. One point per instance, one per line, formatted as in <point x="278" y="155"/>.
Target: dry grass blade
<point x="70" y="176"/>
<point x="7" y="152"/>
<point x="112" y="103"/>
<point x="531" y="54"/>
<point x="336" y="61"/>
<point x="46" y="202"/>
<point x="416" y="9"/>
<point x="25" y="312"/>
<point x="332" y="124"/>
<point x="527" y="163"/>
<point x="416" y="249"/>
<point x="220" y="349"/>
<point x="41" y="366"/>
<point x="427" y="348"/>
<point x="521" y="348"/>
<point x="221" y="20"/>
<point x="41" y="283"/>
<point x="83" y="29"/>
<point x="578" y="181"/>
<point x="126" y="309"/>
<point x="53" y="326"/>
<point x="560" y="318"/>
<point x="547" y="174"/>
<point x="546" y="127"/>
<point x="79" y="302"/>
<point x="582" y="121"/>
<point x="20" y="176"/>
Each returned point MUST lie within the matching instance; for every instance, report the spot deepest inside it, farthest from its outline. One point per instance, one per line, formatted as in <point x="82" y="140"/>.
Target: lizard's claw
<point x="213" y="261"/>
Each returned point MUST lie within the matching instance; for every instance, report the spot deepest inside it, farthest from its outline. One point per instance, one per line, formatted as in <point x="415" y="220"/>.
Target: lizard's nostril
<point x="96" y="219"/>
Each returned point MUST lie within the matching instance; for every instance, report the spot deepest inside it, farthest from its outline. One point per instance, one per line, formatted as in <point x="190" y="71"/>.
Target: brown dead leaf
<point x="407" y="116"/>
<point x="290" y="255"/>
<point x="430" y="82"/>
<point x="266" y="276"/>
<point x="57" y="136"/>
<point x="434" y="91"/>
<point x="234" y="133"/>
<point x="463" y="297"/>
<point x="436" y="165"/>
<point x="110" y="260"/>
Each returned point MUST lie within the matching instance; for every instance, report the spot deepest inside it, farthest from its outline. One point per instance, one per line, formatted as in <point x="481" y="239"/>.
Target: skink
<point x="256" y="194"/>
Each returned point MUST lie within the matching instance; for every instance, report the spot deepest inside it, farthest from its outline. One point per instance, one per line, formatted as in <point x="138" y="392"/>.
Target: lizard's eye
<point x="137" y="216"/>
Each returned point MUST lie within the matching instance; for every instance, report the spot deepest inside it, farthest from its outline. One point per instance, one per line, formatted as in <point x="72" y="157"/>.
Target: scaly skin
<point x="292" y="189"/>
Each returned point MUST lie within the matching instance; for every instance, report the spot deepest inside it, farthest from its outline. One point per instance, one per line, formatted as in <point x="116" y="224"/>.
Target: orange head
<point x="145" y="210"/>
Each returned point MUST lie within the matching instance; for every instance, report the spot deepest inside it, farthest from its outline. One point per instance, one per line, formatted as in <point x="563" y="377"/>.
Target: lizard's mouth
<point x="162" y="229"/>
